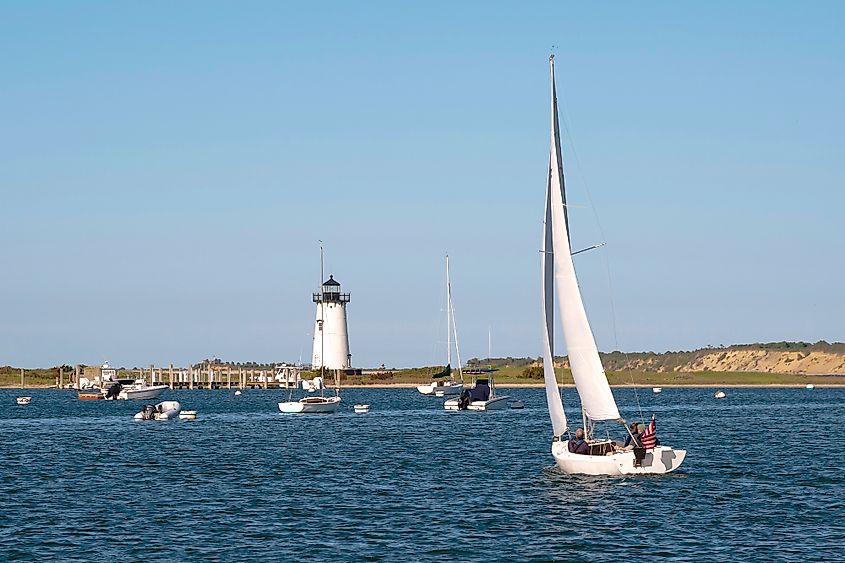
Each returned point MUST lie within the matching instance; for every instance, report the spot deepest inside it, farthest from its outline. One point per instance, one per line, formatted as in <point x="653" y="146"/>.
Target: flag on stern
<point x="649" y="437"/>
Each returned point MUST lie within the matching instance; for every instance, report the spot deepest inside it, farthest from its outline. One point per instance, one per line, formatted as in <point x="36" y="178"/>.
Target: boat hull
<point x="441" y="390"/>
<point x="145" y="393"/>
<point x="309" y="406"/>
<point x="494" y="404"/>
<point x="660" y="460"/>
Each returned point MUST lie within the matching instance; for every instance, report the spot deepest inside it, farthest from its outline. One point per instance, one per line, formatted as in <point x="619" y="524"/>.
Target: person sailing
<point x="578" y="445"/>
<point x="632" y="440"/>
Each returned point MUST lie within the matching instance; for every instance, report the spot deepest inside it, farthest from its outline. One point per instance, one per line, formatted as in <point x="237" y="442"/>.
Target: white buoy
<point x="811" y="386"/>
<point x="719" y="394"/>
<point x="656" y="390"/>
<point x="237" y="393"/>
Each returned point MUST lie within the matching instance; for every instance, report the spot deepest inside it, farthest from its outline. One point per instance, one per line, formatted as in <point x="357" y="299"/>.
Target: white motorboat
<point x="361" y="409"/>
<point x="140" y="391"/>
<point x="480" y="397"/>
<point x="165" y="410"/>
<point x="310" y="405"/>
<point x="594" y="457"/>
<point x="23" y="400"/>
<point x="443" y="383"/>
<point x="720" y="394"/>
<point x="656" y="390"/>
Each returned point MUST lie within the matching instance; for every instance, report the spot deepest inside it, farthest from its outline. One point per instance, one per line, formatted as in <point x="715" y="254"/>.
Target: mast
<point x="451" y="313"/>
<point x="448" y="316"/>
<point x="322" y="326"/>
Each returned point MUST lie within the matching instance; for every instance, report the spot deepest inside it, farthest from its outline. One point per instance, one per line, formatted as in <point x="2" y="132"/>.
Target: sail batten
<point x="587" y="371"/>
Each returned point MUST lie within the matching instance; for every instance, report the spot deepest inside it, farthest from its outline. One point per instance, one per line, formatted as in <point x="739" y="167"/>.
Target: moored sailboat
<point x="443" y="382"/>
<point x="592" y="457"/>
<point x="322" y="403"/>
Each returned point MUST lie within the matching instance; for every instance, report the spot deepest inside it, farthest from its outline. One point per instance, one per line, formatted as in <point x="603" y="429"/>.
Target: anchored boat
<point x="165" y="410"/>
<point x="599" y="457"/>
<point x="443" y="382"/>
<point x="321" y="403"/>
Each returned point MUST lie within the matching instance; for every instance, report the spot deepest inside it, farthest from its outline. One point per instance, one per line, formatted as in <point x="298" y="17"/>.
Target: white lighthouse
<point x="331" y="339"/>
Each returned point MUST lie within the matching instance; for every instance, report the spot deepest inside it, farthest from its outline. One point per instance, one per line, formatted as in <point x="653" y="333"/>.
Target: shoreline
<point x="797" y="385"/>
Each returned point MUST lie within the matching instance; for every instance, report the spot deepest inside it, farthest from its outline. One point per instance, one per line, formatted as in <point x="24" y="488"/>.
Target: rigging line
<point x="605" y="254"/>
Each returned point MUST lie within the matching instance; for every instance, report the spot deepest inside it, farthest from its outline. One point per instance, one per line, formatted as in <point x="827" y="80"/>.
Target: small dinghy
<point x="656" y="390"/>
<point x="517" y="404"/>
<point x="237" y="393"/>
<point x="23" y="400"/>
<point x="165" y="410"/>
<point x="188" y="415"/>
<point x="810" y="386"/>
<point x="361" y="409"/>
<point x="720" y="394"/>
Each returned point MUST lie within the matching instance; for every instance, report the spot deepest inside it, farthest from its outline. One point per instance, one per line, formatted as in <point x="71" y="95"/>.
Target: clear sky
<point x="166" y="169"/>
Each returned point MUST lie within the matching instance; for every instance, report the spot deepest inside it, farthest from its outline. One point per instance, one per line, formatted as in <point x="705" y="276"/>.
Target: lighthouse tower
<point x="331" y="339"/>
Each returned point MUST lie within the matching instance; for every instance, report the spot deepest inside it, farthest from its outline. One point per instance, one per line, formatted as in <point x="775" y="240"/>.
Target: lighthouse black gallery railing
<point x="327" y="297"/>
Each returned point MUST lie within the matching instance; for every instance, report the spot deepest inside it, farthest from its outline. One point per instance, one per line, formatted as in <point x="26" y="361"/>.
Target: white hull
<point x="656" y="390"/>
<point x="23" y="400"/>
<point x="719" y="394"/>
<point x="141" y="394"/>
<point x="660" y="460"/>
<point x="494" y="404"/>
<point x="441" y="390"/>
<point x="310" y="405"/>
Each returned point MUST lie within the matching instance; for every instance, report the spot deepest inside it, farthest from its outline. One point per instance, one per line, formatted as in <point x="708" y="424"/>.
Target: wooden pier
<point x="214" y="376"/>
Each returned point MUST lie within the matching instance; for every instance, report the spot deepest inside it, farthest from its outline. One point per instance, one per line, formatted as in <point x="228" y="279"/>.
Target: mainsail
<point x="587" y="371"/>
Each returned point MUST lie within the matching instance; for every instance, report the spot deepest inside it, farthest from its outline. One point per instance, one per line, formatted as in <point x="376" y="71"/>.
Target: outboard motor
<point x="114" y="391"/>
<point x="149" y="412"/>
<point x="464" y="400"/>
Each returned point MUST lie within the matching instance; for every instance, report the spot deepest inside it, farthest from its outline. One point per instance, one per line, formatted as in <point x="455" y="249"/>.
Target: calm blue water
<point x="81" y="480"/>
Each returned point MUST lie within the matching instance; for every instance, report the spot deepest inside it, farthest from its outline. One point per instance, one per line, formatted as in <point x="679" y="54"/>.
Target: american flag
<point x="649" y="437"/>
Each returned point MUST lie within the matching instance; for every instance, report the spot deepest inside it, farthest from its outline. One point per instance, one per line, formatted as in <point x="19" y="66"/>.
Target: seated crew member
<point x="578" y="445"/>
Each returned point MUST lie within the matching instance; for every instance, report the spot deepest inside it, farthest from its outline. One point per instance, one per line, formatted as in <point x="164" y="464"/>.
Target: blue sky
<point x="166" y="170"/>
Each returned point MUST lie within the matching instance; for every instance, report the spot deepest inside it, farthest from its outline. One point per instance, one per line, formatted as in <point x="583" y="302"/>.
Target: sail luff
<point x="547" y="261"/>
<point x="587" y="371"/>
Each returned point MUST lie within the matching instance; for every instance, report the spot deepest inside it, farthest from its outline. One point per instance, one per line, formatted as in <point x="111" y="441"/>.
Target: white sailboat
<point x="316" y="404"/>
<point x="603" y="457"/>
<point x="443" y="382"/>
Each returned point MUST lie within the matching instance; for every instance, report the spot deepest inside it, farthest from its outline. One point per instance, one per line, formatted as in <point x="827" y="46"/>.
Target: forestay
<point x="587" y="371"/>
